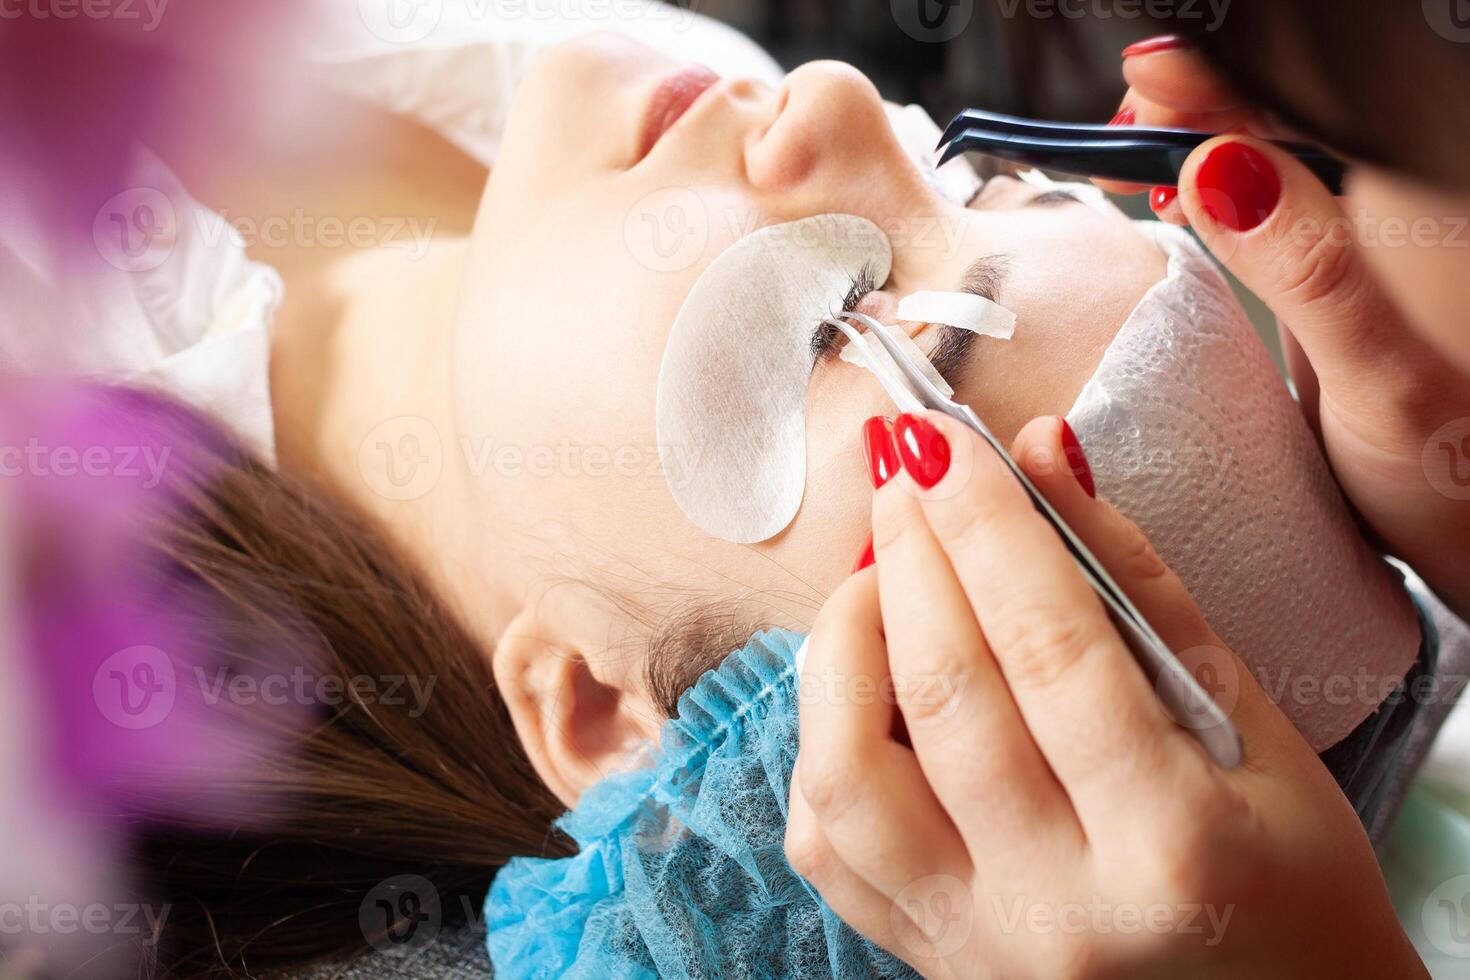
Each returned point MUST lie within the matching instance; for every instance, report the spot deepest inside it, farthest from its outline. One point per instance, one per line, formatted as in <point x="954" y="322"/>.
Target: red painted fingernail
<point x="1153" y="45"/>
<point x="1161" y="197"/>
<point x="879" y="451"/>
<point x="922" y="448"/>
<point x="1077" y="459"/>
<point x="866" y="558"/>
<point x="1238" y="187"/>
<point x="1125" y="117"/>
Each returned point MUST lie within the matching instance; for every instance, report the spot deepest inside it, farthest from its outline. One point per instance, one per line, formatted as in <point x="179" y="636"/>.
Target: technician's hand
<point x="1027" y="809"/>
<point x="1378" y="396"/>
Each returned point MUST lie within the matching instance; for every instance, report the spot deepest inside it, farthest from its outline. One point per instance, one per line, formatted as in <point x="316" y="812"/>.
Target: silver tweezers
<point x="1187" y="703"/>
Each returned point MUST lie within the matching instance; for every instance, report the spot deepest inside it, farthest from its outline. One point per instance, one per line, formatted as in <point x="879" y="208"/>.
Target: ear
<point x="578" y="713"/>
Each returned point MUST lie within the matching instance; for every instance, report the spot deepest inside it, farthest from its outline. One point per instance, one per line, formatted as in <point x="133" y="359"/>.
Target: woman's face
<point x="591" y="234"/>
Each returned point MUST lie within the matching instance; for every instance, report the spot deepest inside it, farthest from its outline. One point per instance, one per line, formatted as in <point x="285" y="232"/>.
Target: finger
<point x="868" y="793"/>
<point x="964" y="725"/>
<point x="1178" y="79"/>
<point x="1136" y="110"/>
<point x="1303" y="378"/>
<point x="1091" y="711"/>
<point x="1171" y="86"/>
<point x="1056" y="463"/>
<point x="1280" y="231"/>
<point x="852" y="899"/>
<point x="1127" y="115"/>
<point x="1164" y="202"/>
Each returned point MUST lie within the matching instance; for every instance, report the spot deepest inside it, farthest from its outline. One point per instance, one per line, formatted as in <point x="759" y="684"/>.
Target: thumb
<point x="1053" y="459"/>
<point x="1273" y="224"/>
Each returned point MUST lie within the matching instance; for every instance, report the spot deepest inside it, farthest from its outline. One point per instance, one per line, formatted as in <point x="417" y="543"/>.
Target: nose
<point x="831" y="148"/>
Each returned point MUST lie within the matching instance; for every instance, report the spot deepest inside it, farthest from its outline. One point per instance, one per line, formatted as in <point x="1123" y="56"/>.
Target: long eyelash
<point x="825" y="340"/>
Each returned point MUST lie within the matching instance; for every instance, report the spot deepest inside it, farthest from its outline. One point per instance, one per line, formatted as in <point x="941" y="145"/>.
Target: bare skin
<point x="488" y="338"/>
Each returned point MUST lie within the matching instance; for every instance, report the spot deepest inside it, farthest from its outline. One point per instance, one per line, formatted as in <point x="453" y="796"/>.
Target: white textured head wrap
<point x="1191" y="432"/>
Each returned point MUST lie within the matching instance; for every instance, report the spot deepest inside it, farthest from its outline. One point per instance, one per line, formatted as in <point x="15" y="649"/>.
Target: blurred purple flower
<point x="131" y="674"/>
<point x="109" y="647"/>
<point x="84" y="80"/>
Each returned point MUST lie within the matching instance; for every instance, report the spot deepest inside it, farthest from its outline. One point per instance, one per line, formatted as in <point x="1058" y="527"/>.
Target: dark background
<point x="1026" y="57"/>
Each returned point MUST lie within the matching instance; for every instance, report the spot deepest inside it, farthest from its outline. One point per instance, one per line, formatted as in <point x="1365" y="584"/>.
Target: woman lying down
<point x="564" y="463"/>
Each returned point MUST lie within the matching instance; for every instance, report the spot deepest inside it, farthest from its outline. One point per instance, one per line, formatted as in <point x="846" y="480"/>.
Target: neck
<point x="362" y="398"/>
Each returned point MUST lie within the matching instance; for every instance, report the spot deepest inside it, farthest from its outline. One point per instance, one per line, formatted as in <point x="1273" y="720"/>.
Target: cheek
<point x="835" y="516"/>
<point x="1069" y="305"/>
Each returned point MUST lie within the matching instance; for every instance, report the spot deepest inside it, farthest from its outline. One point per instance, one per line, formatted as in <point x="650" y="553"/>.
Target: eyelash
<point x="1047" y="198"/>
<point x="827" y="339"/>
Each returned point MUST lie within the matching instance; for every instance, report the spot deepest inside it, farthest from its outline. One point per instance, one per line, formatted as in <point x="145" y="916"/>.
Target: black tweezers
<point x="1127" y="153"/>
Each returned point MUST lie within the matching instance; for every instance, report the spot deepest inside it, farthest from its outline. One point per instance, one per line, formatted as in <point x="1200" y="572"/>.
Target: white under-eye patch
<point x="963" y="310"/>
<point x="733" y="381"/>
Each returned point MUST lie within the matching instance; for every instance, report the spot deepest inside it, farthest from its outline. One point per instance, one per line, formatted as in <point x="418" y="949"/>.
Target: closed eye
<point x="1049" y="198"/>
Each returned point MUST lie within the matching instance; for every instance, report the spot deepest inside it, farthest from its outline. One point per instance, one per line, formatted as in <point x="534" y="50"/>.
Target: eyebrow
<point x="983" y="278"/>
<point x="951" y="353"/>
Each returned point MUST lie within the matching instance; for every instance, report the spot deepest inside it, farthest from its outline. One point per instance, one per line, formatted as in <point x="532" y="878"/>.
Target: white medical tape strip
<point x="1036" y="178"/>
<point x="861" y="353"/>
<point x="876" y="359"/>
<point x="963" y="310"/>
<point x="732" y="384"/>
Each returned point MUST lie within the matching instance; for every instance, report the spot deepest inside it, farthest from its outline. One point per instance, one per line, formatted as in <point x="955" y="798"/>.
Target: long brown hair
<point x="369" y="790"/>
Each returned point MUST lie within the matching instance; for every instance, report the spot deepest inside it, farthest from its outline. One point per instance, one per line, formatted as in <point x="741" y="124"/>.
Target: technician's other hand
<point x="1393" y="416"/>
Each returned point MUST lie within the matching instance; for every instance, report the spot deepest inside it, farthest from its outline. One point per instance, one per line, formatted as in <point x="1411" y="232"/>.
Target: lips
<point x="670" y="100"/>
